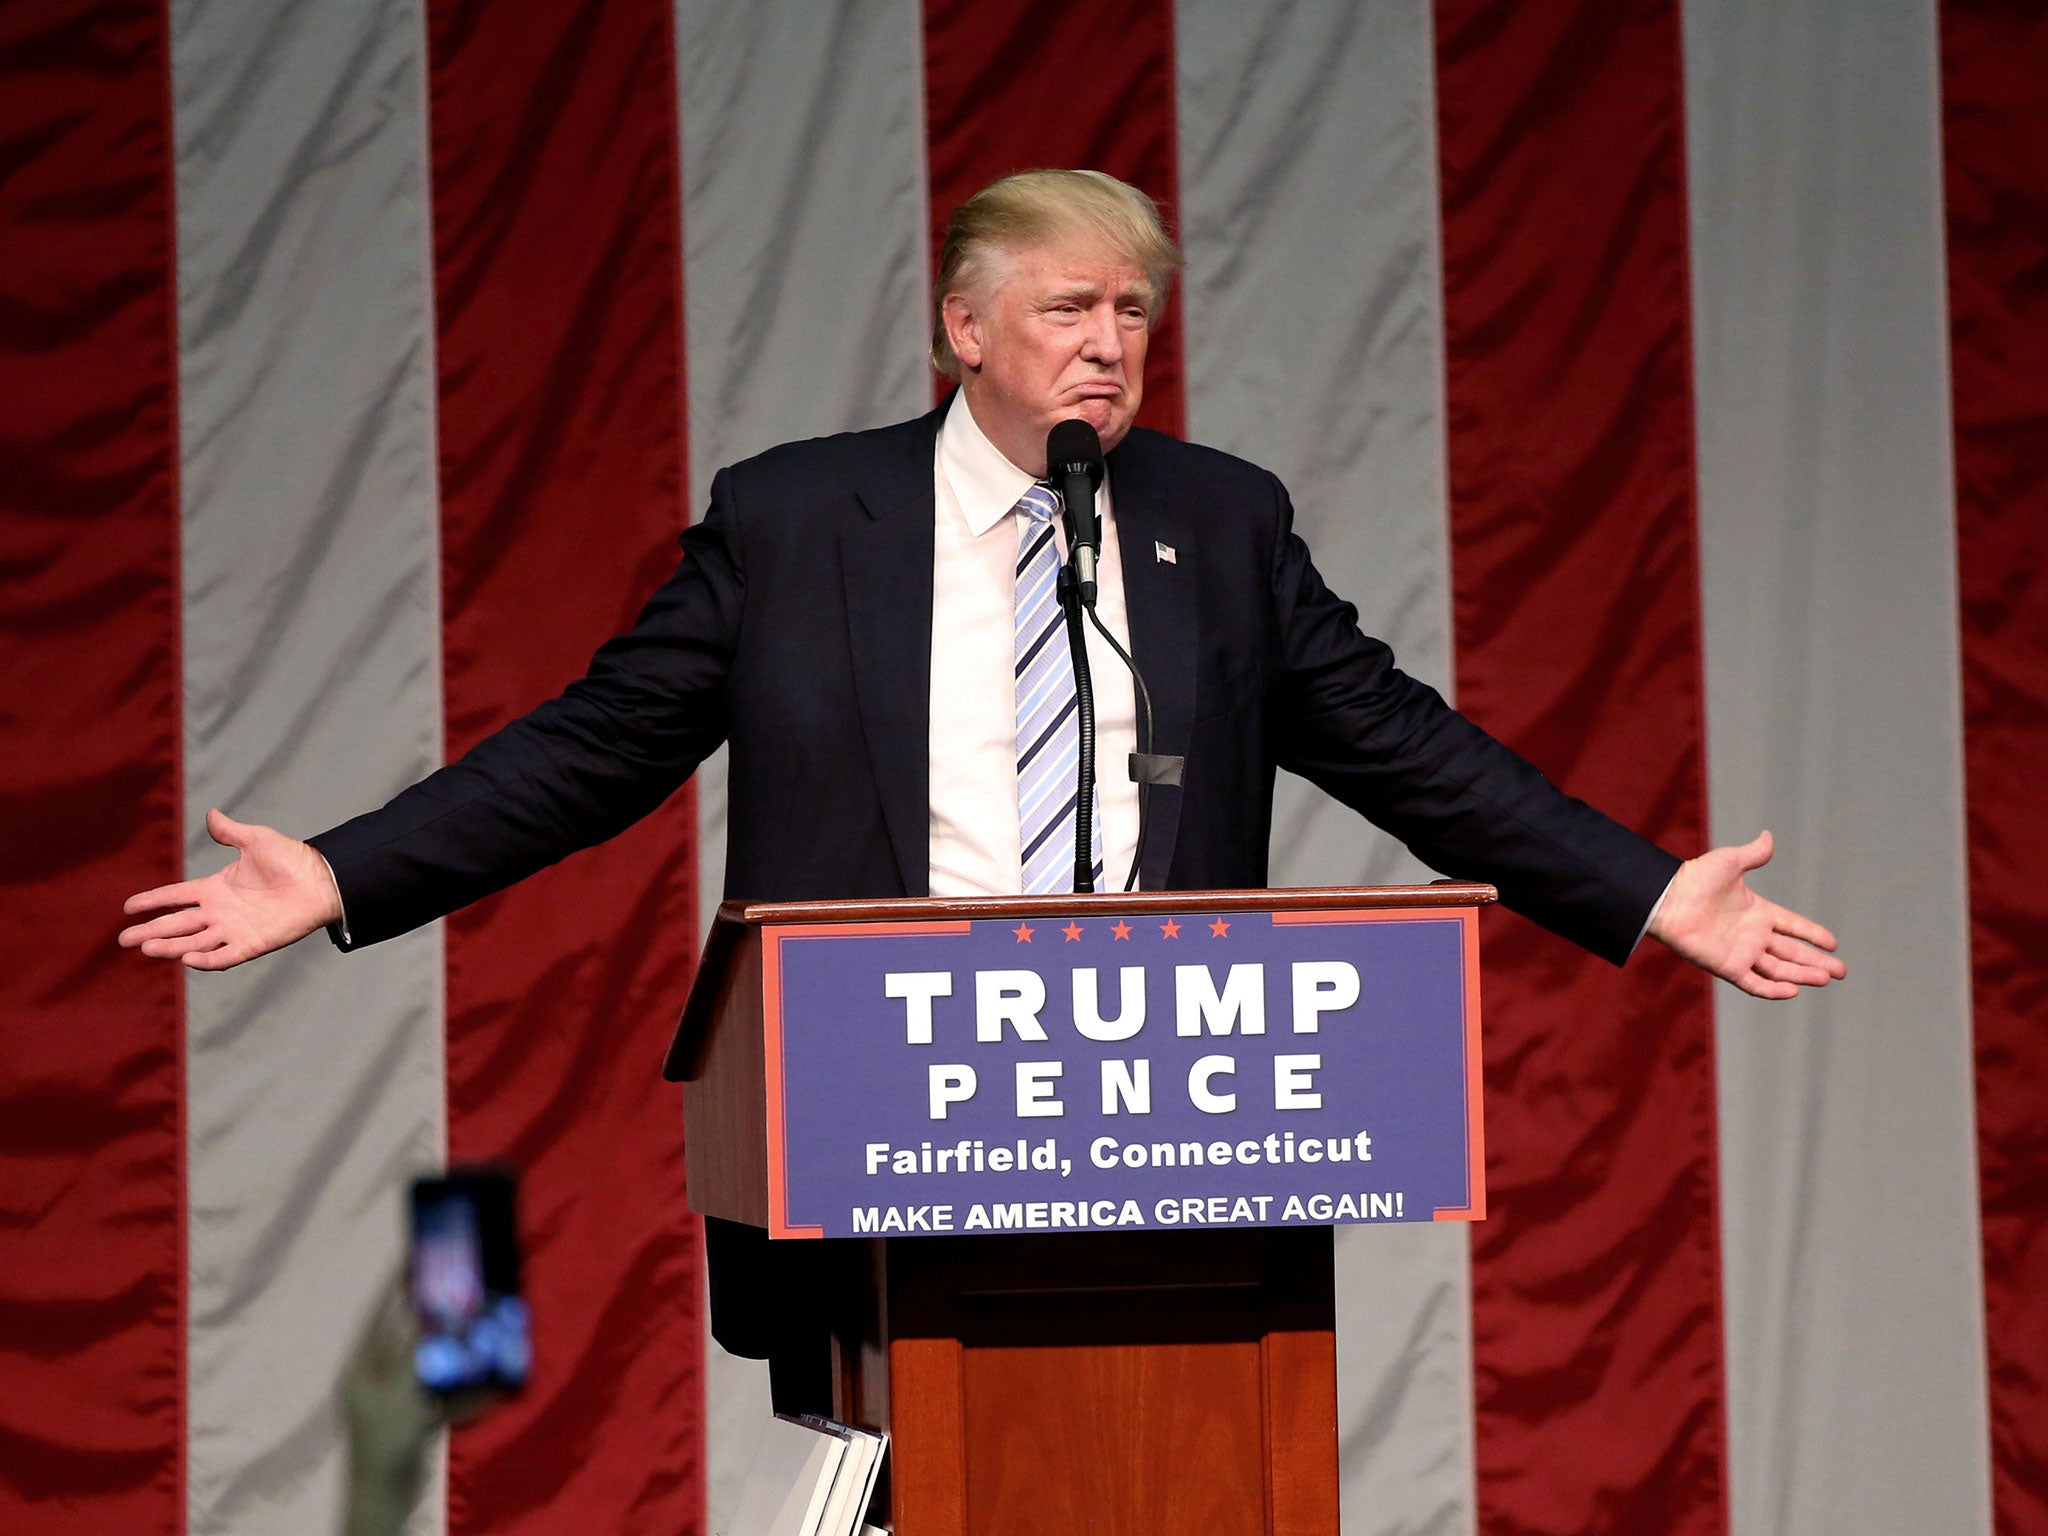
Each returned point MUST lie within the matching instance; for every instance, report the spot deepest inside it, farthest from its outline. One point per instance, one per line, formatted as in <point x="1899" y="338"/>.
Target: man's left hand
<point x="1712" y="918"/>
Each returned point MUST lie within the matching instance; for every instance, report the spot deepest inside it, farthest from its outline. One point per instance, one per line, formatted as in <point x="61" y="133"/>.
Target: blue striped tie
<point x="1048" y="714"/>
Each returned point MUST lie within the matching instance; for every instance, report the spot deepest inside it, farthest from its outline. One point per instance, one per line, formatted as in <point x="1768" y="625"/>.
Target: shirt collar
<point x="985" y="483"/>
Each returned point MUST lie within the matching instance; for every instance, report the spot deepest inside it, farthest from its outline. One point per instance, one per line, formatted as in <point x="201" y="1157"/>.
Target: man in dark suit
<point x="844" y="618"/>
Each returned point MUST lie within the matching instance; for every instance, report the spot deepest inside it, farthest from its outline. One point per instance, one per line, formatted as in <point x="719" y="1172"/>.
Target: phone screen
<point x="473" y="1327"/>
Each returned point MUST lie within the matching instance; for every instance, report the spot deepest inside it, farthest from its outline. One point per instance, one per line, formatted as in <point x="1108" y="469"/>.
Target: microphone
<point x="1073" y="463"/>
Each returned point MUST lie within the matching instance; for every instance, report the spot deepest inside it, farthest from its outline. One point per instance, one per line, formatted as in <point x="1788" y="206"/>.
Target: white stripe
<point x="311" y="584"/>
<point x="804" y="222"/>
<point x="1308" y="182"/>
<point x="805" y="312"/>
<point x="1850" y="1243"/>
<point x="804" y="251"/>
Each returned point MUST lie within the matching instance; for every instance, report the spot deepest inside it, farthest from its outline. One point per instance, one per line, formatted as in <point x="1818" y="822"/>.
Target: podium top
<point x="1438" y="893"/>
<point x="736" y="919"/>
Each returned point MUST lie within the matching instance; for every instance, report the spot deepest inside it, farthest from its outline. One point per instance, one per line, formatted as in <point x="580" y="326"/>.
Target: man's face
<point x="1062" y="334"/>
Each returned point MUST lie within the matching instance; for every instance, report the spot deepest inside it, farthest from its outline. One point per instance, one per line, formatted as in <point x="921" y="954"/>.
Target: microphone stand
<point x="1069" y="593"/>
<point x="1074" y="463"/>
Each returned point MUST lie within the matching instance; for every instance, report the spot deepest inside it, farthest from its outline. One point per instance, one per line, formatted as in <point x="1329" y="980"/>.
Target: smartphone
<point x="474" y="1333"/>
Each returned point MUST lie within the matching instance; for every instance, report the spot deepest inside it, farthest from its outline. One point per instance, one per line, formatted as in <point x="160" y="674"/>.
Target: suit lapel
<point x="886" y="566"/>
<point x="1161" y="597"/>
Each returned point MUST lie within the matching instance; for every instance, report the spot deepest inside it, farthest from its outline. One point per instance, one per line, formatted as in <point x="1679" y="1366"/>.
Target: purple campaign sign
<point x="1235" y="1068"/>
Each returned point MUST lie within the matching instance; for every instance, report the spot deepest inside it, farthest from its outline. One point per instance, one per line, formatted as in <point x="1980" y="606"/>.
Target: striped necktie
<point x="1048" y="711"/>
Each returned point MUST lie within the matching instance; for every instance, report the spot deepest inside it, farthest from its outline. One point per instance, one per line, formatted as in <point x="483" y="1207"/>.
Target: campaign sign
<point x="1137" y="1071"/>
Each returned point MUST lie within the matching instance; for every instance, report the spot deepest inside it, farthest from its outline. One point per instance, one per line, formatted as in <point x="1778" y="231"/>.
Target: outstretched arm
<point x="275" y="892"/>
<point x="1712" y="918"/>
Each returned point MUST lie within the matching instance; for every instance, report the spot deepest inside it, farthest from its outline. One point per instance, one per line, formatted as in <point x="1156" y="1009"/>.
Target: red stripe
<point x="558" y="274"/>
<point x="1995" y="119"/>
<point x="1011" y="85"/>
<point x="92" y="1238"/>
<point x="1575" y="589"/>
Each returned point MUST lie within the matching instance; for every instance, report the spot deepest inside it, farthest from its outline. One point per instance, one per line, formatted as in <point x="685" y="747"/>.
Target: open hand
<point x="1712" y="918"/>
<point x="275" y="893"/>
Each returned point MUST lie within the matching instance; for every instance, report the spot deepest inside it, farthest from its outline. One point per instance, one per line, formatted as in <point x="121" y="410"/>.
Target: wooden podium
<point x="1127" y="1383"/>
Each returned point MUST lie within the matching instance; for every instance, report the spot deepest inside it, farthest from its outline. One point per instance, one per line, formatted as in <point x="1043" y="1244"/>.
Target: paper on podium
<point x="859" y="1469"/>
<point x="789" y="1479"/>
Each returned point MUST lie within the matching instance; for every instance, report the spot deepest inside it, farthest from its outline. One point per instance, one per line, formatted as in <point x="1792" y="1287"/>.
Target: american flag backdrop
<point x="1668" y="382"/>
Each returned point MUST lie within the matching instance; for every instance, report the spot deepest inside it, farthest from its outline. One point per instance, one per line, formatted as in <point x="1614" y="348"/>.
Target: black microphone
<point x="1073" y="463"/>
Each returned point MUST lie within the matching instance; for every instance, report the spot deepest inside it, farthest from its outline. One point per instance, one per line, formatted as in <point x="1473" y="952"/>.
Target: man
<point x="860" y="617"/>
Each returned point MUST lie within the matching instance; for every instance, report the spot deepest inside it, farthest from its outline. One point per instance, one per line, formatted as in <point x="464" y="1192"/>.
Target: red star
<point x="1023" y="932"/>
<point x="1170" y="929"/>
<point x="1072" y="930"/>
<point x="1219" y="928"/>
<point x="1122" y="930"/>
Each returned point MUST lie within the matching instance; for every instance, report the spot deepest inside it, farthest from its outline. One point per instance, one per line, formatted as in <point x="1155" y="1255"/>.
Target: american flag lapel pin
<point x="1165" y="553"/>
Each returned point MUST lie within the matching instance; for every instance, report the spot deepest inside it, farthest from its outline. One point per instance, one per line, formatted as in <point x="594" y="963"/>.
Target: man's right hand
<point x="275" y="893"/>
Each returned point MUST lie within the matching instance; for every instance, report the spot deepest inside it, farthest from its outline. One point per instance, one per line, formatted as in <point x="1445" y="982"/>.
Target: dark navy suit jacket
<point x="798" y="628"/>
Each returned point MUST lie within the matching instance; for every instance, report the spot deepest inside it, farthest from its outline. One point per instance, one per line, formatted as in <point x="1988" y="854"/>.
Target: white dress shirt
<point x="976" y="848"/>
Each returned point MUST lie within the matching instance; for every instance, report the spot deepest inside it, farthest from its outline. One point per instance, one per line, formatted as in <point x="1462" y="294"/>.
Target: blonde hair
<point x="1033" y="207"/>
